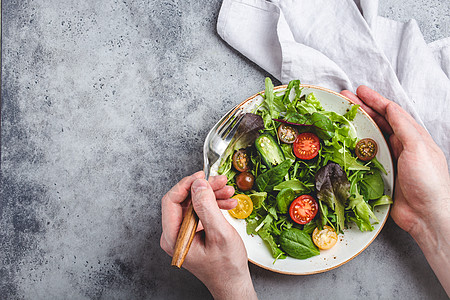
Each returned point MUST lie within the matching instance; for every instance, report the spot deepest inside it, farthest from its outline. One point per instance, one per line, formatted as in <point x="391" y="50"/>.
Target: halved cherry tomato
<point x="325" y="238"/>
<point x="244" y="181"/>
<point x="243" y="208"/>
<point x="303" y="209"/>
<point x="306" y="145"/>
<point x="241" y="161"/>
<point x="366" y="149"/>
<point x="287" y="134"/>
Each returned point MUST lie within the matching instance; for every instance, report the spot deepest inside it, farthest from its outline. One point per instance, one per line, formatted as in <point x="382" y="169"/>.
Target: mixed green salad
<point x="301" y="173"/>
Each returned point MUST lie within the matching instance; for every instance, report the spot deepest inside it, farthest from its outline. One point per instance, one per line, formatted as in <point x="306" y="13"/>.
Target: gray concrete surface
<point x="105" y="105"/>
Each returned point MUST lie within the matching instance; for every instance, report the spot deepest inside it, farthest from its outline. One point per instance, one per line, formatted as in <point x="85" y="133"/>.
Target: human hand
<point x="217" y="255"/>
<point x="422" y="187"/>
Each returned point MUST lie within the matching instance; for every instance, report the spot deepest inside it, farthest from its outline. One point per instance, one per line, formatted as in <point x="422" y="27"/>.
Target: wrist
<point x="433" y="238"/>
<point x="235" y="287"/>
<point x="432" y="234"/>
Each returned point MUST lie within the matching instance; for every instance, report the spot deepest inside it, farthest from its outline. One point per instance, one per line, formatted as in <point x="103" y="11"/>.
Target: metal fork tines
<point x="220" y="137"/>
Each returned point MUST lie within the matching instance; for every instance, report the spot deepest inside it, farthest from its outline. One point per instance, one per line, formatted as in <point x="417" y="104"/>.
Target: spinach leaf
<point x="373" y="185"/>
<point x="284" y="199"/>
<point x="323" y="126"/>
<point x="333" y="188"/>
<point x="309" y="227"/>
<point x="320" y="124"/>
<point x="298" y="244"/>
<point x="287" y="151"/>
<point x="267" y="180"/>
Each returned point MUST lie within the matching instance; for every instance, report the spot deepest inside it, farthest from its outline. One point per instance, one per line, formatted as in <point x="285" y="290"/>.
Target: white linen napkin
<point x="344" y="44"/>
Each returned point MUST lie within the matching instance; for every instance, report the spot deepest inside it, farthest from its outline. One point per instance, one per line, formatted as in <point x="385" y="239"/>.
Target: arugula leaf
<point x="376" y="164"/>
<point x="274" y="104"/>
<point x="293" y="184"/>
<point x="268" y="238"/>
<point x="362" y="211"/>
<point x="257" y="199"/>
<point x="293" y="84"/>
<point x="384" y="200"/>
<point x="343" y="157"/>
<point x="251" y="226"/>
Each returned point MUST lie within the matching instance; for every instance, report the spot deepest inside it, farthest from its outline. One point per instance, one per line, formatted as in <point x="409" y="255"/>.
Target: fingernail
<point x="198" y="185"/>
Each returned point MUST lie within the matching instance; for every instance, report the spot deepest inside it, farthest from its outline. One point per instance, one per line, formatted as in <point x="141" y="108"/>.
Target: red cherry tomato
<point x="244" y="181"/>
<point x="303" y="209"/>
<point x="241" y="161"/>
<point x="306" y="145"/>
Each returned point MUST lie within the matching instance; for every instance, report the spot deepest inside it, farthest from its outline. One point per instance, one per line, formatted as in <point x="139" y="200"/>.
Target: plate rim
<point x="279" y="87"/>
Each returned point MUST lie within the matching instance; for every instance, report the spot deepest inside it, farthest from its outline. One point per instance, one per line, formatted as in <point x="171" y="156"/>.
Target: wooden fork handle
<point x="185" y="236"/>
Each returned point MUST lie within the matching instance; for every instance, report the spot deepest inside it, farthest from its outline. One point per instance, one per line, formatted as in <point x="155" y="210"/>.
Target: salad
<point x="301" y="173"/>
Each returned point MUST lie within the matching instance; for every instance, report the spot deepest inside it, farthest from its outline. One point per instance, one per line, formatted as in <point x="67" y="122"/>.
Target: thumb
<point x="205" y="205"/>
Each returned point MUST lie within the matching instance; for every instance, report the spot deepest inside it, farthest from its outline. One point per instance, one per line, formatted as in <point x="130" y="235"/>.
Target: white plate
<point x="353" y="241"/>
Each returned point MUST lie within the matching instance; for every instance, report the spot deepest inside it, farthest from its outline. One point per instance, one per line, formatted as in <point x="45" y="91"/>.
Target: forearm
<point x="433" y="239"/>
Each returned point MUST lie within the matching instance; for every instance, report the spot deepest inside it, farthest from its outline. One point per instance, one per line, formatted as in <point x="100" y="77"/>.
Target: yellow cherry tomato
<point x="243" y="208"/>
<point x="325" y="238"/>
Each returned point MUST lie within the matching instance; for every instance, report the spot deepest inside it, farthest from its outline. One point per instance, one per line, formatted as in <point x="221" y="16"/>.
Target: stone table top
<point x="105" y="106"/>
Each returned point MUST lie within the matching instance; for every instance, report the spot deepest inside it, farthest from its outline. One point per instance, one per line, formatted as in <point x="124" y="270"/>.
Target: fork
<point x="216" y="142"/>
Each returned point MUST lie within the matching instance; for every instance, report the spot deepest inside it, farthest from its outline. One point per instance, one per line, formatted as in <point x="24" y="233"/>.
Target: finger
<point x="227" y="204"/>
<point x="181" y="190"/>
<point x="404" y="131"/>
<point x="380" y="104"/>
<point x="381" y="121"/>
<point x="217" y="182"/>
<point x="206" y="207"/>
<point x="172" y="210"/>
<point x="224" y="193"/>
